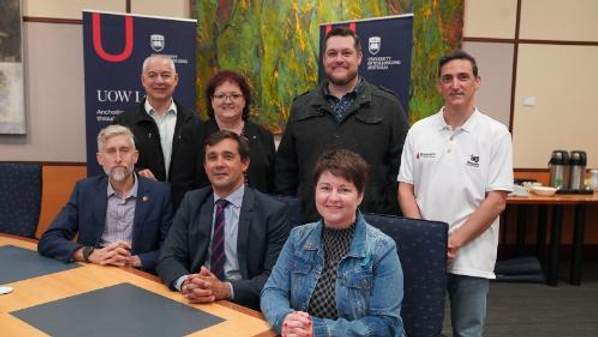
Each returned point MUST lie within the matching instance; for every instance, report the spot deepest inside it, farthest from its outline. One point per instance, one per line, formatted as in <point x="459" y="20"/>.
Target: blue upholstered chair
<point x="20" y="198"/>
<point x="422" y="250"/>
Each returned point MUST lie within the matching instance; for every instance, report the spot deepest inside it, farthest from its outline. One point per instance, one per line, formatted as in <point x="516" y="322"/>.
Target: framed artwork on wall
<point x="12" y="103"/>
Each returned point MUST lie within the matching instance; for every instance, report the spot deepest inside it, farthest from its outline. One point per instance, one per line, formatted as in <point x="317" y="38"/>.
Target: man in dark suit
<point x="226" y="237"/>
<point x="168" y="135"/>
<point x="121" y="219"/>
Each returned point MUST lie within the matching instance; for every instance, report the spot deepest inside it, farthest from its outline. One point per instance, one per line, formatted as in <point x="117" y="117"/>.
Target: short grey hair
<point x="113" y="131"/>
<point x="158" y="57"/>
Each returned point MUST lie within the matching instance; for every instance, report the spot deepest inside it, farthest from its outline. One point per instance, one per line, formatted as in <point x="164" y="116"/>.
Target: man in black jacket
<point x="345" y="111"/>
<point x="225" y="238"/>
<point x="168" y="136"/>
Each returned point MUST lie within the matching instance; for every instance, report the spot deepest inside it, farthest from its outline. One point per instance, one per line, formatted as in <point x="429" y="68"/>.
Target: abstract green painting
<point x="274" y="43"/>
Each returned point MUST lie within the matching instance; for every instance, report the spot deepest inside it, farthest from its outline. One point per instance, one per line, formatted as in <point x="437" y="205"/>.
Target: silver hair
<point x="158" y="57"/>
<point x="112" y="131"/>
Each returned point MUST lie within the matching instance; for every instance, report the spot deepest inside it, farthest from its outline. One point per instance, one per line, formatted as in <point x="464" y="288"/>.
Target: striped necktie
<point x="218" y="257"/>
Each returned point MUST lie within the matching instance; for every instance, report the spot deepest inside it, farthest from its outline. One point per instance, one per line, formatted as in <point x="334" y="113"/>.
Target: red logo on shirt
<point x="425" y="155"/>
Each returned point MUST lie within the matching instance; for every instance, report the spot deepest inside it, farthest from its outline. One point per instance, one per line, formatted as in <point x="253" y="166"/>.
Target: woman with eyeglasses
<point x="229" y="100"/>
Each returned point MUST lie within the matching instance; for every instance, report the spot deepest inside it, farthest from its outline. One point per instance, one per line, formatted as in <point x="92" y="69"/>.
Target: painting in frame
<point x="12" y="103"/>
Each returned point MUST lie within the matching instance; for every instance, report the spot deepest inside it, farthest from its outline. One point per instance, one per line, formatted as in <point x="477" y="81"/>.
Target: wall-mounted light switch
<point x="529" y="101"/>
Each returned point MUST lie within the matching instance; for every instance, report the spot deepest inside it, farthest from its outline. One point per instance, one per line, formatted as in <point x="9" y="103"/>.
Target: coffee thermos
<point x="577" y="169"/>
<point x="594" y="183"/>
<point x="567" y="170"/>
<point x="559" y="169"/>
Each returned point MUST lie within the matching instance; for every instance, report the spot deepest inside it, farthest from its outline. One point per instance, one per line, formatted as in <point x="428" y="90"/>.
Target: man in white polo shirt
<point x="457" y="168"/>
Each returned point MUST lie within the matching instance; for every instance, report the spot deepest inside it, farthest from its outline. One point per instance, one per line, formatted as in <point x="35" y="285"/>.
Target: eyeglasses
<point x="232" y="96"/>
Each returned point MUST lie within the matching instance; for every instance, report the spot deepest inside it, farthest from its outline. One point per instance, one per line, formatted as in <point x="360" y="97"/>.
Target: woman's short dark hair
<point x="229" y="76"/>
<point x="218" y="136"/>
<point x="343" y="163"/>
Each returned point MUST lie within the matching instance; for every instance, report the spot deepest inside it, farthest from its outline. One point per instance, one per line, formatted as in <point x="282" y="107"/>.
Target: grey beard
<point x="119" y="173"/>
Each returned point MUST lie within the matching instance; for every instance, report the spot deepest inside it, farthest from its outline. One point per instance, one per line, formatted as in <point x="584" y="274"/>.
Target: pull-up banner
<point x="115" y="46"/>
<point x="386" y="45"/>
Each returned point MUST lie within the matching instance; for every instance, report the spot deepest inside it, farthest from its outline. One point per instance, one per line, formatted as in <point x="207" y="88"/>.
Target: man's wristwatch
<point x="87" y="250"/>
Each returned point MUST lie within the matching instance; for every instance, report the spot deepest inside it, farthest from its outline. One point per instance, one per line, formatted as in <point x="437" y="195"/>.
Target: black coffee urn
<point x="559" y="169"/>
<point x="577" y="168"/>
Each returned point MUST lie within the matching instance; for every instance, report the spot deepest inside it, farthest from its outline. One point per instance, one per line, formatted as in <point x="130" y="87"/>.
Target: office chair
<point x="20" y="198"/>
<point x="422" y="250"/>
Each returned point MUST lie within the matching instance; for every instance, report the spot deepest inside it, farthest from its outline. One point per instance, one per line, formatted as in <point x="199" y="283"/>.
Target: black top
<point x="336" y="244"/>
<point x="374" y="126"/>
<point x="186" y="166"/>
<point x="260" y="174"/>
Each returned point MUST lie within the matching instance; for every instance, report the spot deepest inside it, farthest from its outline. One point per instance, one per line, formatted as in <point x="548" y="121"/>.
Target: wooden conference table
<point x="557" y="202"/>
<point x="75" y="299"/>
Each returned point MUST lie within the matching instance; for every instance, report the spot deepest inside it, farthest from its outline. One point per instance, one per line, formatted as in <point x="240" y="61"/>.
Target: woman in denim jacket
<point x="338" y="276"/>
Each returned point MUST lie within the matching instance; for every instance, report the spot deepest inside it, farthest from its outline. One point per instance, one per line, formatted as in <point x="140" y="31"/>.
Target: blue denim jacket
<point x="369" y="283"/>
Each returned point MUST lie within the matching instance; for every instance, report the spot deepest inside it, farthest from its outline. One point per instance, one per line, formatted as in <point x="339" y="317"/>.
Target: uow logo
<point x="113" y="96"/>
<point x="96" y="30"/>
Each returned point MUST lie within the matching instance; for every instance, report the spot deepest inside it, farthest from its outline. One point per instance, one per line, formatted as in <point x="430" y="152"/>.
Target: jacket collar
<point x="355" y="91"/>
<point x="144" y="200"/>
<point x="100" y="206"/>
<point x="235" y="198"/>
<point x="245" y="223"/>
<point x="357" y="249"/>
<point x="182" y="118"/>
<point x="319" y="105"/>
<point x="359" y="236"/>
<point x="206" y="211"/>
<point x="133" y="192"/>
<point x="143" y="116"/>
<point x="149" y="109"/>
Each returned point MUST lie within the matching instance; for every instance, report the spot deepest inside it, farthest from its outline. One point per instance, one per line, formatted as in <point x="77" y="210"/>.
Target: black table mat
<point x="119" y="310"/>
<point x="18" y="264"/>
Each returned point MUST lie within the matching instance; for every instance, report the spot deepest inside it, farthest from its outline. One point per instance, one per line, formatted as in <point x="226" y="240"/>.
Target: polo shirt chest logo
<point x="474" y="161"/>
<point x="425" y="155"/>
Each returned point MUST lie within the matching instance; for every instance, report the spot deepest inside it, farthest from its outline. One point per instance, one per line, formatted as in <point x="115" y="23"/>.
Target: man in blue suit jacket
<point x="254" y="229"/>
<point x="121" y="219"/>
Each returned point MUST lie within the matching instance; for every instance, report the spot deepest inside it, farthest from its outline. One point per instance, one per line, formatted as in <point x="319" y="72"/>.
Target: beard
<point x="351" y="75"/>
<point x="119" y="173"/>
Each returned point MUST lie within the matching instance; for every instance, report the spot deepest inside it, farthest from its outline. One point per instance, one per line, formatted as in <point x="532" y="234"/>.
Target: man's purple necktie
<point x="218" y="257"/>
